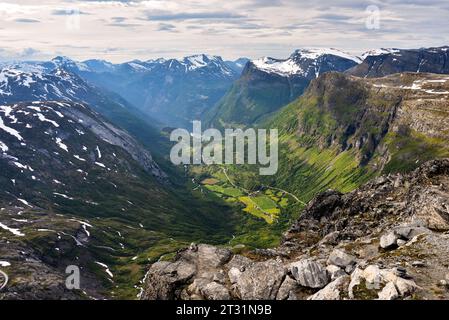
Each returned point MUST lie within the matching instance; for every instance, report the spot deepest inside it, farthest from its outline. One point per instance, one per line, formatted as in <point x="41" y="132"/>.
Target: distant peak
<point x="314" y="53"/>
<point x="62" y="59"/>
<point x="379" y="52"/>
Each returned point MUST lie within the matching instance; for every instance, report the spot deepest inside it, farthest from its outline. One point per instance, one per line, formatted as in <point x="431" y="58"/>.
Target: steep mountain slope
<point x="51" y="81"/>
<point x="386" y="240"/>
<point x="379" y="63"/>
<point x="268" y="84"/>
<point x="75" y="190"/>
<point x="344" y="130"/>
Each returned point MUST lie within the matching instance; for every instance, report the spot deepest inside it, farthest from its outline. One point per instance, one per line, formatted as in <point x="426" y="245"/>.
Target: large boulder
<point x="335" y="272"/>
<point x="205" y="257"/>
<point x="389" y="241"/>
<point x="389" y="292"/>
<point x="287" y="289"/>
<point x="372" y="281"/>
<point x="309" y="273"/>
<point x="164" y="278"/>
<point x="336" y="290"/>
<point x="341" y="259"/>
<point x="259" y="281"/>
<point x="204" y="288"/>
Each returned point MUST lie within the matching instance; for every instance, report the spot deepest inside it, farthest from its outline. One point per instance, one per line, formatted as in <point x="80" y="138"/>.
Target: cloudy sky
<point x="131" y="29"/>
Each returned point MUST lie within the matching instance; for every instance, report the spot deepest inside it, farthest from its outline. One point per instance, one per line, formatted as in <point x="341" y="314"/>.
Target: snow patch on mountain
<point x="315" y="53"/>
<point x="14" y="231"/>
<point x="283" y="67"/>
<point x="379" y="52"/>
<point x="294" y="65"/>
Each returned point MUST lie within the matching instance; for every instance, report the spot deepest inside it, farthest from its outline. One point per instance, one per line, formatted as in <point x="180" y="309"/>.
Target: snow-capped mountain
<point x="39" y="82"/>
<point x="199" y="63"/>
<point x="21" y="84"/>
<point x="383" y="62"/>
<point x="173" y="91"/>
<point x="308" y="62"/>
<point x="76" y="189"/>
<point x="268" y="84"/>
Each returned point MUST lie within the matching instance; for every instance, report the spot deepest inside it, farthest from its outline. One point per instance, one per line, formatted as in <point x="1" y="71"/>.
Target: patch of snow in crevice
<point x="15" y="232"/>
<point x="63" y="196"/>
<point x="42" y="118"/>
<point x="98" y="152"/>
<point x="10" y="130"/>
<point x="61" y="144"/>
<point x="79" y="158"/>
<point x="106" y="268"/>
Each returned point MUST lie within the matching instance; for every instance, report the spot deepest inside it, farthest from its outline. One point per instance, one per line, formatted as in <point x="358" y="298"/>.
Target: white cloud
<point x="125" y="30"/>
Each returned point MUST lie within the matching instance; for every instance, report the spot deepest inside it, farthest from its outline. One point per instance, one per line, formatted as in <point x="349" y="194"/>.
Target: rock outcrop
<point x="372" y="243"/>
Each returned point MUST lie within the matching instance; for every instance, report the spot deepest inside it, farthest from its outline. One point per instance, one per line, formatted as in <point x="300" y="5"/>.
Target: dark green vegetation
<point x="126" y="208"/>
<point x="268" y="84"/>
<point x="73" y="168"/>
<point x="340" y="134"/>
<point x="252" y="98"/>
<point x="345" y="130"/>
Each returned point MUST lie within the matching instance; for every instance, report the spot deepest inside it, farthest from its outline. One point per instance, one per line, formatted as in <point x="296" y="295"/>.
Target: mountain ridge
<point x="268" y="84"/>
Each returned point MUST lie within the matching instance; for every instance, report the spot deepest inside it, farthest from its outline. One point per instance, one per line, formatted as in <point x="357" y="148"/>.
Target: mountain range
<point x="268" y="84"/>
<point x="172" y="91"/>
<point x="85" y="177"/>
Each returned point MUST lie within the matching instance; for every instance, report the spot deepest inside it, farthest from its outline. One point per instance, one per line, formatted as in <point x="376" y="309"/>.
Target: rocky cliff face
<point x="386" y="240"/>
<point x="361" y="114"/>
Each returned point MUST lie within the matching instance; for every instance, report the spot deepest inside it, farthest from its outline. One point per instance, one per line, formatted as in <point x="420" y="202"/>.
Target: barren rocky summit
<point x="388" y="240"/>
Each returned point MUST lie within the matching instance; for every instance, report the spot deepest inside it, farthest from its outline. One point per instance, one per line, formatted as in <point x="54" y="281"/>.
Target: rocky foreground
<point x="387" y="240"/>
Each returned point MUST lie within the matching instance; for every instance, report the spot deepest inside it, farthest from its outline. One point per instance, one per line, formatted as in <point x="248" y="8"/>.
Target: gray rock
<point x="335" y="272"/>
<point x="389" y="292"/>
<point x="215" y="291"/>
<point x="239" y="262"/>
<point x="418" y="264"/>
<point x="206" y="257"/>
<point x="234" y="274"/>
<point x="330" y="238"/>
<point x="336" y="290"/>
<point x="260" y="281"/>
<point x="287" y="289"/>
<point x="375" y="278"/>
<point x="340" y="258"/>
<point x="404" y="232"/>
<point x="389" y="241"/>
<point x="204" y="288"/>
<point x="309" y="273"/>
<point x="405" y="287"/>
<point x="164" y="277"/>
